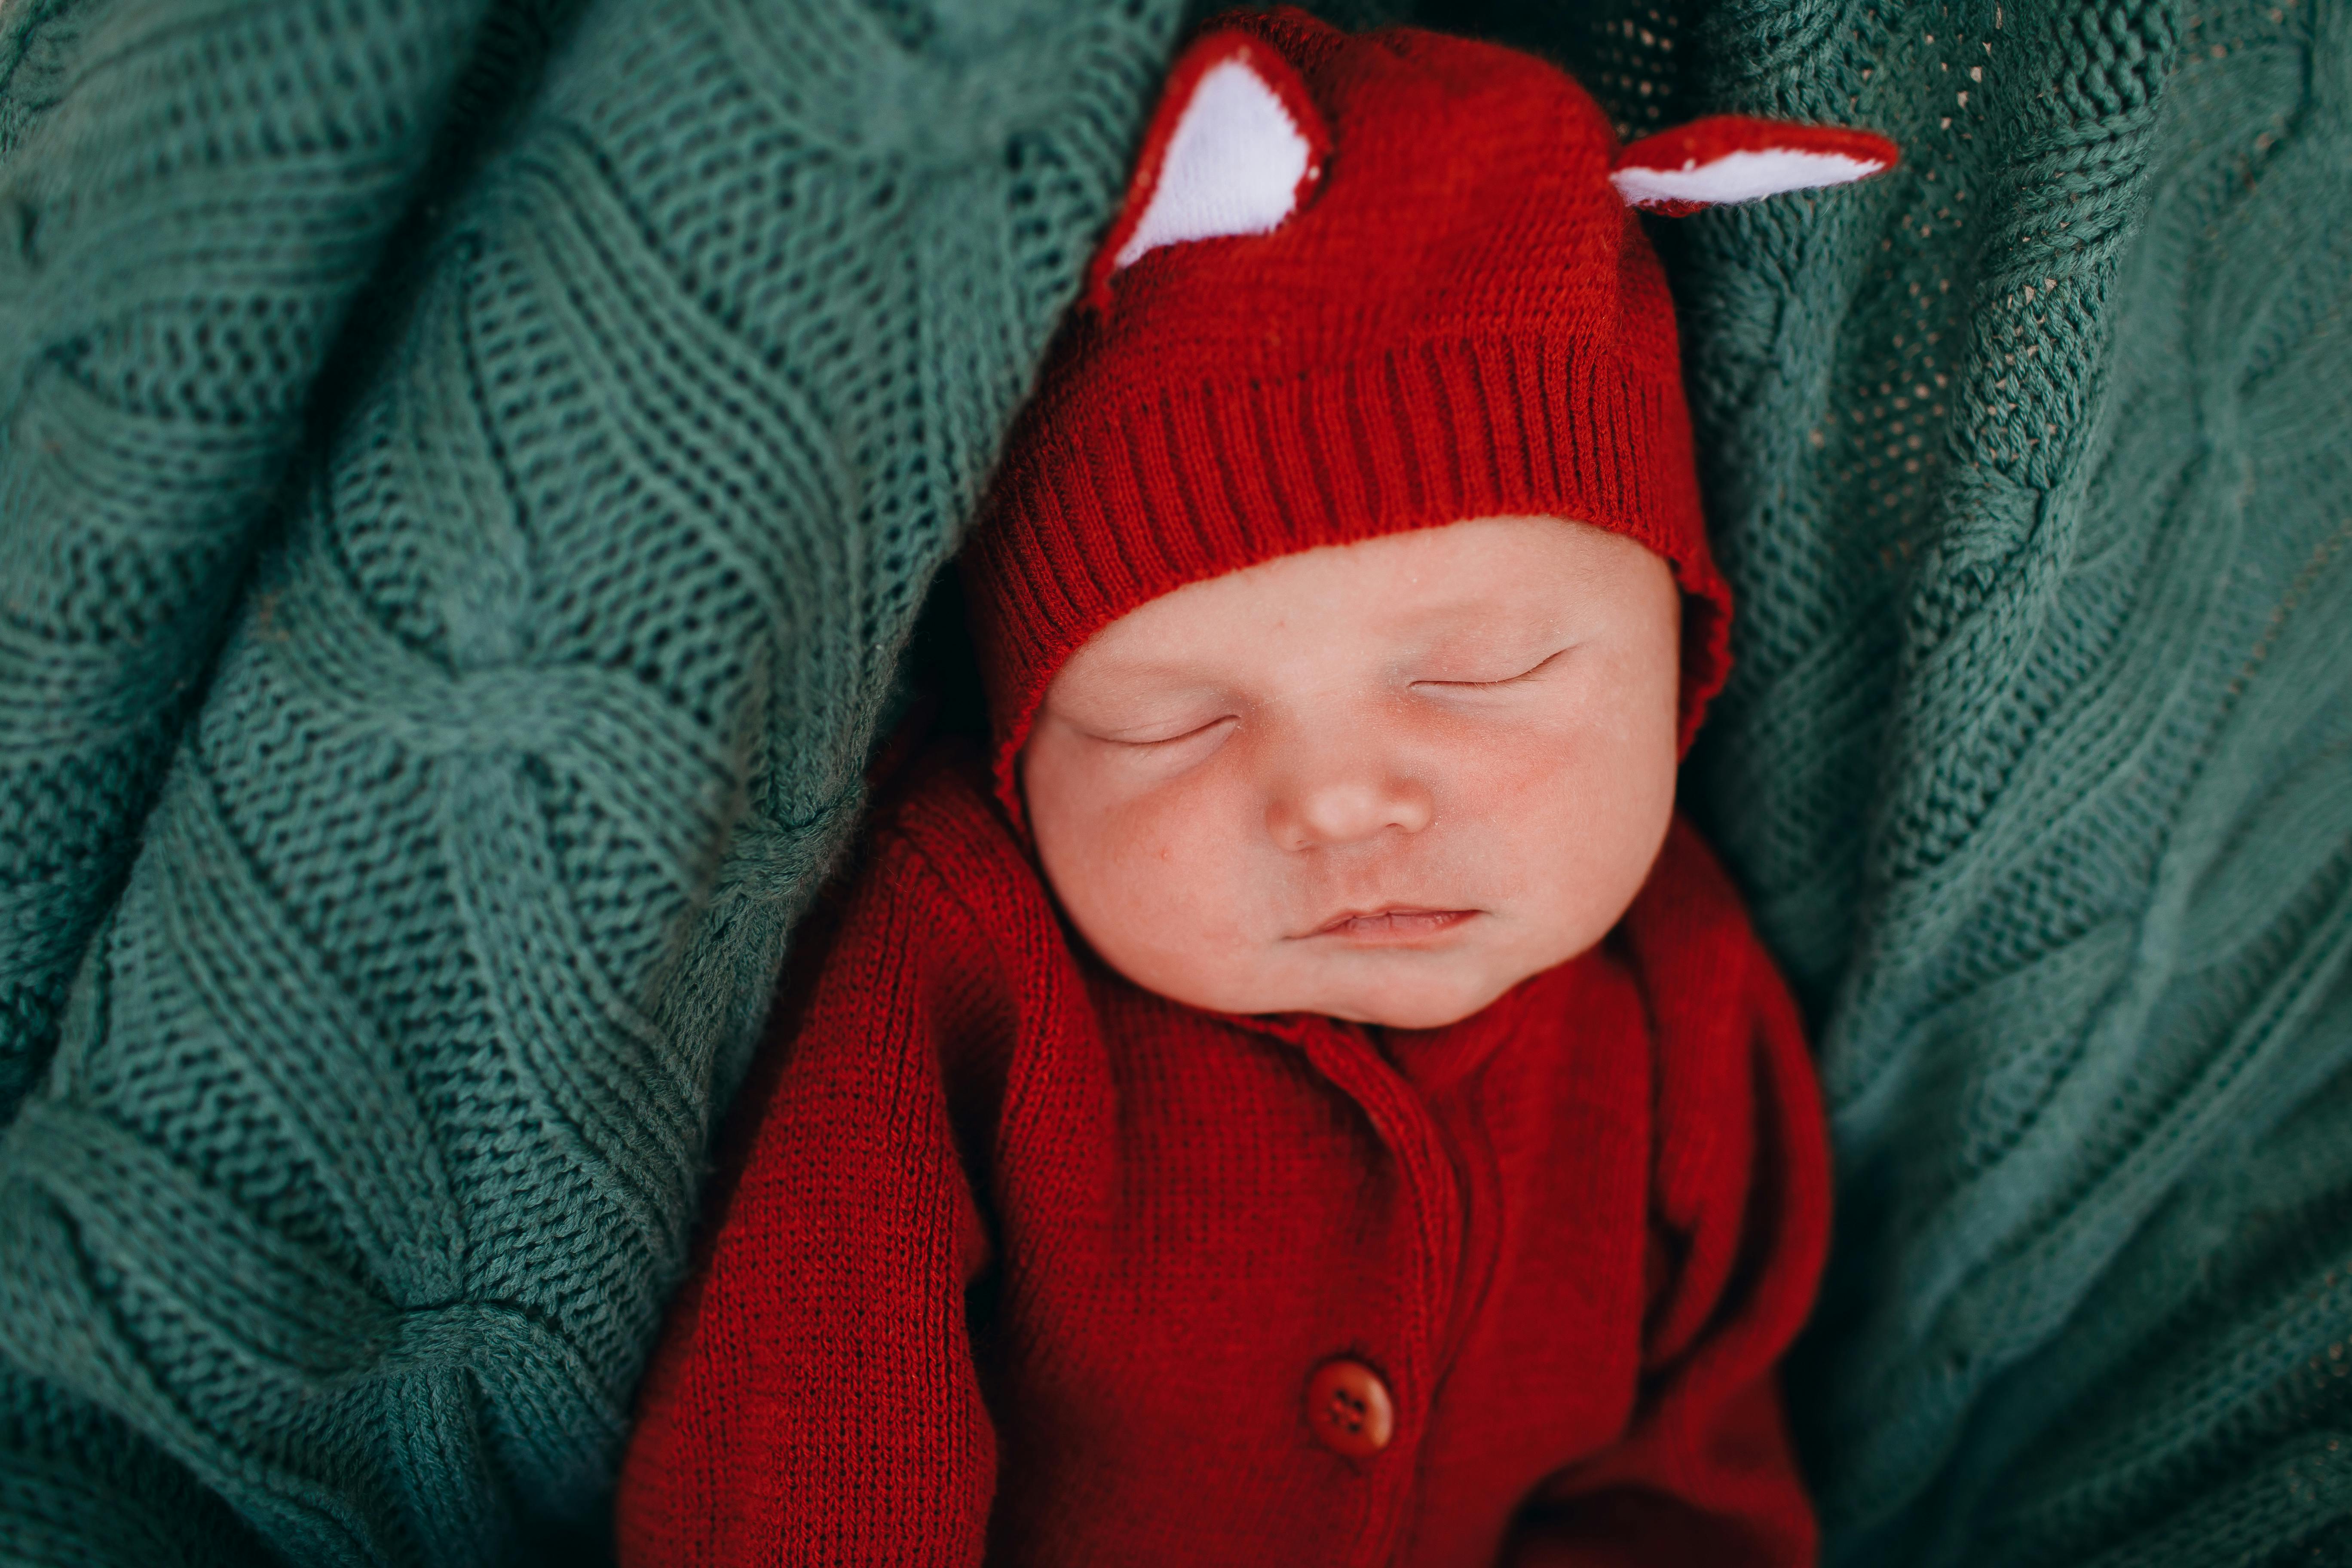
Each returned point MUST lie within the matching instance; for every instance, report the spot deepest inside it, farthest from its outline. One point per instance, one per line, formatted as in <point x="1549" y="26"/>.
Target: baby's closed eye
<point x="1473" y="680"/>
<point x="1164" y="732"/>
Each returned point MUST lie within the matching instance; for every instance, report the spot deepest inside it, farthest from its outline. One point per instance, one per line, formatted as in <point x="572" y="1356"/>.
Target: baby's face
<point x="1384" y="781"/>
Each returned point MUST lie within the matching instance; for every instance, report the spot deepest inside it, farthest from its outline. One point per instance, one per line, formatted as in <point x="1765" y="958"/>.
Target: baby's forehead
<point x="1480" y="580"/>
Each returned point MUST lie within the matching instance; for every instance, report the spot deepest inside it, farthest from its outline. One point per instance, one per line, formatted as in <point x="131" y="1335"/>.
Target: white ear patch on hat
<point x="1233" y="149"/>
<point x="1729" y="158"/>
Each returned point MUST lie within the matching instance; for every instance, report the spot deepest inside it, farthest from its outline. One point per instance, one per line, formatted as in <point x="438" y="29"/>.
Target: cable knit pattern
<point x="177" y="259"/>
<point x="680" y="339"/>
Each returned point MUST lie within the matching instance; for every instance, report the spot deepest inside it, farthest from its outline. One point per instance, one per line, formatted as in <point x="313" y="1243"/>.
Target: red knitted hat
<point x="1362" y="284"/>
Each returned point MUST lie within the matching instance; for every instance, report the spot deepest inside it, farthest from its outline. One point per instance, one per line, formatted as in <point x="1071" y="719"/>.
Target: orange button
<point x="1349" y="1407"/>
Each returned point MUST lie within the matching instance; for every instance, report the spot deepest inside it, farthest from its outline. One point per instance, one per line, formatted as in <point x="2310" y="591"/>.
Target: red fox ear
<point x="1729" y="158"/>
<point x="1234" y="147"/>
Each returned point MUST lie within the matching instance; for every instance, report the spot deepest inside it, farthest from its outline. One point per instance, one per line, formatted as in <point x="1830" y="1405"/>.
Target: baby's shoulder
<point x="937" y="851"/>
<point x="1687" y="935"/>
<point x="936" y="805"/>
<point x="1689" y="897"/>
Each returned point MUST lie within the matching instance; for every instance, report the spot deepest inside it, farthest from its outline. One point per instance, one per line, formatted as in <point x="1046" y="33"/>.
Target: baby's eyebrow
<point x="1160" y="673"/>
<point x="1112" y="692"/>
<point x="1510" y="617"/>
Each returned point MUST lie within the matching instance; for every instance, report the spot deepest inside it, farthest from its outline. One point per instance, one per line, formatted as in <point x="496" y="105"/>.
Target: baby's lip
<point x="1392" y="923"/>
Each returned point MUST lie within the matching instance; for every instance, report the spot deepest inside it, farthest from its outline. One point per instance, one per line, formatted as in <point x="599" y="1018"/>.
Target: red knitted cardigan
<point x="1013" y="1260"/>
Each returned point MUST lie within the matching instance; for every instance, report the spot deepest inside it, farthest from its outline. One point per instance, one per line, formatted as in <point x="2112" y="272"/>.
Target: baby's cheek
<point x="1173" y="854"/>
<point x="1559" y="824"/>
<point x="1517" y="787"/>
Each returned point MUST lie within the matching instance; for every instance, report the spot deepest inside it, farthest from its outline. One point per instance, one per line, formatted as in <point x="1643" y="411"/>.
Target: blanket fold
<point x="554" y="438"/>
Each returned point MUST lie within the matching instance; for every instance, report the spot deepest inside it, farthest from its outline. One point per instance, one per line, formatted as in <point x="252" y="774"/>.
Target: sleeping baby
<point x="1300" y="1096"/>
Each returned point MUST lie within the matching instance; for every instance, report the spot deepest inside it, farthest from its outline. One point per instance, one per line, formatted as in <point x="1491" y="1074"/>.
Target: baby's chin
<point x="1392" y="994"/>
<point x="1406" y="1012"/>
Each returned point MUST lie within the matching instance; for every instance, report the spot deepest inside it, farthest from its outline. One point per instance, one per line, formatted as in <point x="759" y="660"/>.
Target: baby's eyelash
<point x="1168" y="740"/>
<point x="1535" y="668"/>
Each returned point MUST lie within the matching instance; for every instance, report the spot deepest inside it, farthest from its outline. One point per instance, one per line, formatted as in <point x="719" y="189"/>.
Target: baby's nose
<point x="1347" y="810"/>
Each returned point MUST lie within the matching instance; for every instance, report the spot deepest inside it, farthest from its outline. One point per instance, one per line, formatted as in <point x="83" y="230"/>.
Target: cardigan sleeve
<point x="814" y="1398"/>
<point x="1739" y="1228"/>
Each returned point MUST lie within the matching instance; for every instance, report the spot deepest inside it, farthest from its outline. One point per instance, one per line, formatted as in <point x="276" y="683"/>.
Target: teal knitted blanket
<point x="469" y="471"/>
<point x="2031" y="466"/>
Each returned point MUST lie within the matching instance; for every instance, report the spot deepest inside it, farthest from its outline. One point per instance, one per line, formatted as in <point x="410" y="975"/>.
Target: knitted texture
<point x="540" y="622"/>
<point x="2028" y="465"/>
<point x="175" y="271"/>
<point x="1573" y="1232"/>
<point x="1463" y="321"/>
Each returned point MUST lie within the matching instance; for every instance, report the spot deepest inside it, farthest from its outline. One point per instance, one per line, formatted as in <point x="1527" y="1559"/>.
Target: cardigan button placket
<point x="1350" y="1061"/>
